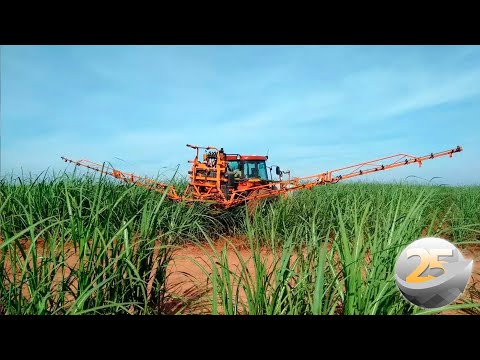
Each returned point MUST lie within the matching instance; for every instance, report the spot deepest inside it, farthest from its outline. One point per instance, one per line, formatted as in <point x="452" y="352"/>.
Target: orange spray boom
<point x="228" y="180"/>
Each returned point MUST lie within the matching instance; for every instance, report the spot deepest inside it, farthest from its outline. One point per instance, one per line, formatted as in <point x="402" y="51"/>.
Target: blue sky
<point x="313" y="108"/>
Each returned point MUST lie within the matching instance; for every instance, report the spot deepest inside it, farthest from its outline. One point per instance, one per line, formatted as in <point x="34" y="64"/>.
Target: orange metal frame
<point x="209" y="181"/>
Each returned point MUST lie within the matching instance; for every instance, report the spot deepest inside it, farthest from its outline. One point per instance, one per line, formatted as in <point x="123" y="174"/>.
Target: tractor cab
<point x="251" y="167"/>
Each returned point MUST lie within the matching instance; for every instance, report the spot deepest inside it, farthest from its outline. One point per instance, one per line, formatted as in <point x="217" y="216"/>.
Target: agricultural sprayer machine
<point x="227" y="180"/>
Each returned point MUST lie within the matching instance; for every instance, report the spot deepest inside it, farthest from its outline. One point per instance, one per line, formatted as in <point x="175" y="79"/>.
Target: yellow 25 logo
<point x="428" y="258"/>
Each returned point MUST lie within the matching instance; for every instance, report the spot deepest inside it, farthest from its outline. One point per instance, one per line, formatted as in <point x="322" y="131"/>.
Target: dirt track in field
<point x="187" y="283"/>
<point x="189" y="287"/>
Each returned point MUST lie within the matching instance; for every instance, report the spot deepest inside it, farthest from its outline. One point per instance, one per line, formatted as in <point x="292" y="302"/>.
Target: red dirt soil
<point x="187" y="284"/>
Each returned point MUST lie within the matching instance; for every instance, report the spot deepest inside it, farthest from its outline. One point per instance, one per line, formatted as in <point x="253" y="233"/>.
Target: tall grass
<point x="456" y="210"/>
<point x="87" y="245"/>
<point x="73" y="244"/>
<point x="332" y="254"/>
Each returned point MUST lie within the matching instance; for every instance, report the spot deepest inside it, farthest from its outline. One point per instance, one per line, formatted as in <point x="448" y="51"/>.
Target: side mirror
<point x="240" y="166"/>
<point x="277" y="170"/>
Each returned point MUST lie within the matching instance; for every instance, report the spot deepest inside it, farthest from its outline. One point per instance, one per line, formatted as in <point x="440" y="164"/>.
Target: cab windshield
<point x="255" y="169"/>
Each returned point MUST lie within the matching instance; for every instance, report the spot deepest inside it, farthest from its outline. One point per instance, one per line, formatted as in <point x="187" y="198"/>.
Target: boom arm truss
<point x="347" y="172"/>
<point x="127" y="177"/>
